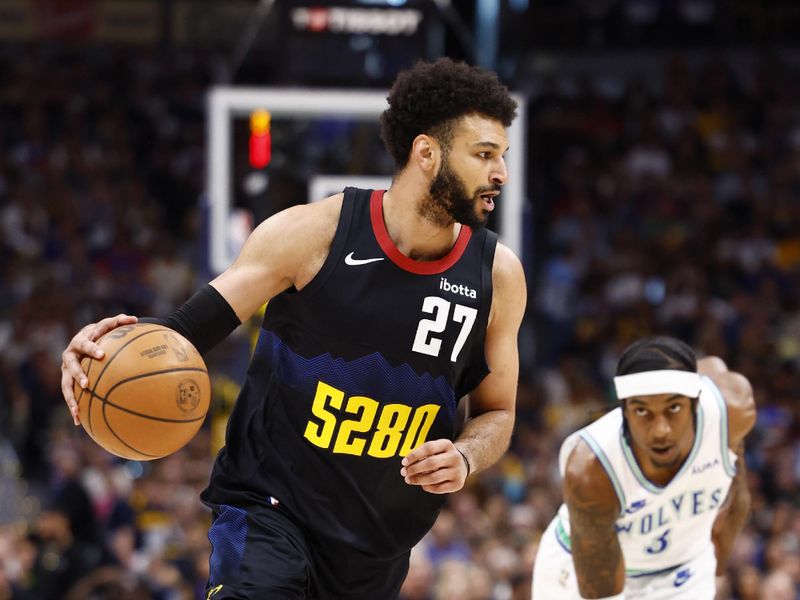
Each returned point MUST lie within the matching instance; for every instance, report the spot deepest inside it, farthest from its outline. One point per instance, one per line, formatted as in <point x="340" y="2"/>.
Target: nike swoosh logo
<point x="682" y="577"/>
<point x="635" y="507"/>
<point x="349" y="260"/>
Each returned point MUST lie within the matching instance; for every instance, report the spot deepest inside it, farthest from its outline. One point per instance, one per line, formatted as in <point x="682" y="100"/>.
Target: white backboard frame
<point x="226" y="103"/>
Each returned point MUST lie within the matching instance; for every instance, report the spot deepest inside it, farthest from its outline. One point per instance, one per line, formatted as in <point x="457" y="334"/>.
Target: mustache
<point x="494" y="187"/>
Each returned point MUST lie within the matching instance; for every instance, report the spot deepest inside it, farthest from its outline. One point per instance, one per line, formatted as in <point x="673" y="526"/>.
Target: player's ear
<point x="426" y="153"/>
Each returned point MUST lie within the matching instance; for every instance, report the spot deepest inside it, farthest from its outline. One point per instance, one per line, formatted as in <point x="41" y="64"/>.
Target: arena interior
<point x="662" y="195"/>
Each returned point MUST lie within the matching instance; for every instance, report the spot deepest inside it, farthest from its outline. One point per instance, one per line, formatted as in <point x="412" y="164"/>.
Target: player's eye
<point x="675" y="408"/>
<point x="640" y="412"/>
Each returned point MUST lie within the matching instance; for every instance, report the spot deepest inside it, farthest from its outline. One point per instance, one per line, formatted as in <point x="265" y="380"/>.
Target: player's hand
<point x="83" y="344"/>
<point x="437" y="466"/>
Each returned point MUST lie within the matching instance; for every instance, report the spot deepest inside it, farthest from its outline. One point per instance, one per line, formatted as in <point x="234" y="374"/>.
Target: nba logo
<point x="187" y="395"/>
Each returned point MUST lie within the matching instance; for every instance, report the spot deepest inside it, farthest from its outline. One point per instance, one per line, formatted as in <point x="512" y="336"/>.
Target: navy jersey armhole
<point x="487" y="295"/>
<point x="351" y="196"/>
<point x="487" y="265"/>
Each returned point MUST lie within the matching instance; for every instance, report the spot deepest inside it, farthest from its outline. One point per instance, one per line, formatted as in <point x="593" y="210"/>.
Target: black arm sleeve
<point x="205" y="319"/>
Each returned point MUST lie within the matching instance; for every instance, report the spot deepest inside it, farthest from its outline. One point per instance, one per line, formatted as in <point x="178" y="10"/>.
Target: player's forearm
<point x="731" y="521"/>
<point x="599" y="566"/>
<point x="485" y="438"/>
<point x="205" y="319"/>
<point x="593" y="511"/>
<point x="732" y="516"/>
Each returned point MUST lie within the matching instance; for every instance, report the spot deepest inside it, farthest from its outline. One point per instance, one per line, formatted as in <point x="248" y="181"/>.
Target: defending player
<point x="385" y="309"/>
<point x="648" y="512"/>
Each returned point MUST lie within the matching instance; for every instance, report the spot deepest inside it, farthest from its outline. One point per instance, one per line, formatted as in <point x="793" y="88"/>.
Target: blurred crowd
<point x="648" y="24"/>
<point x="674" y="206"/>
<point x="669" y="206"/>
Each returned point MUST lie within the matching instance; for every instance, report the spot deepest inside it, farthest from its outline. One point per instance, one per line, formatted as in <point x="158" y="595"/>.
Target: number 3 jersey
<point x="660" y="528"/>
<point x="364" y="364"/>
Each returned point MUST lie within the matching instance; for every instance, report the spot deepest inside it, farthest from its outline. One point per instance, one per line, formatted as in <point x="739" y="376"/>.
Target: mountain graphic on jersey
<point x="370" y="374"/>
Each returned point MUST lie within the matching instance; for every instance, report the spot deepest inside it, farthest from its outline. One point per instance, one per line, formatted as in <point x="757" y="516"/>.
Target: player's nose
<point x="661" y="429"/>
<point x="499" y="173"/>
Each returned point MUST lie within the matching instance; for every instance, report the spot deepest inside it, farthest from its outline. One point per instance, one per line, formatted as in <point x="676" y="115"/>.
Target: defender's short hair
<point x="657" y="353"/>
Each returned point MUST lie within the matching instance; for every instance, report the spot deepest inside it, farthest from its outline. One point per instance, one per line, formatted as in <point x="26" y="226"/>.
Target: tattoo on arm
<point x="596" y="553"/>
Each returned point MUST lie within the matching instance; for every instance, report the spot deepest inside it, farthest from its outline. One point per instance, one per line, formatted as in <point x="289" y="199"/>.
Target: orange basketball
<point x="149" y="394"/>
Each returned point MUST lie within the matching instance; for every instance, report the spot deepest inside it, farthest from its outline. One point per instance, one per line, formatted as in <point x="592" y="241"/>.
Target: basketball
<point x="148" y="396"/>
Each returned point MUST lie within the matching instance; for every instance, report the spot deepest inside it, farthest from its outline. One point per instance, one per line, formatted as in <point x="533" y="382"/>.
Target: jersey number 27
<point x="427" y="342"/>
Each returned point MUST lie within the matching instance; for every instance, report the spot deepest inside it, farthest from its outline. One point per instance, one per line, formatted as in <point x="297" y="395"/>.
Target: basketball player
<point x="655" y="490"/>
<point x="385" y="308"/>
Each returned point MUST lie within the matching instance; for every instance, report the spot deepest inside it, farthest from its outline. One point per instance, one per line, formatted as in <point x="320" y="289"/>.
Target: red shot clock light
<point x="260" y="139"/>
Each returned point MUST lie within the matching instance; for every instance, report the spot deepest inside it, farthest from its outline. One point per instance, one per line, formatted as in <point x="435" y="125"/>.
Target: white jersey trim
<point x="601" y="455"/>
<point x="730" y="469"/>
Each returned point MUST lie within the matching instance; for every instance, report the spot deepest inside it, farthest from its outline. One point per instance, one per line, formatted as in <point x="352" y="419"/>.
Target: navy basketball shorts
<point x="262" y="553"/>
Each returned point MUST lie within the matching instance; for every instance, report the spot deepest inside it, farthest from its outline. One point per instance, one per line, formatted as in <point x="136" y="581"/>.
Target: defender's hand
<point x="83" y="344"/>
<point x="437" y="466"/>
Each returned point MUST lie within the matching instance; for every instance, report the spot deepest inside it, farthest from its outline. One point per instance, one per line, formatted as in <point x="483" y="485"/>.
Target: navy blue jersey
<point x="351" y="373"/>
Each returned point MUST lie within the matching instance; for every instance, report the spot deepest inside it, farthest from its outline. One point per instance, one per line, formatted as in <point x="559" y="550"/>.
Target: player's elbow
<point x="711" y="364"/>
<point x="743" y="393"/>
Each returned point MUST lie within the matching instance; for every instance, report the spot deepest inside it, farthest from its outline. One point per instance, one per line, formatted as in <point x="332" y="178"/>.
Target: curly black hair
<point x="430" y="96"/>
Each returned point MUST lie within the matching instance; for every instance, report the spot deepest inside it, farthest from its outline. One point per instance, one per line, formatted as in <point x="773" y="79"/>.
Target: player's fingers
<point x="103" y="326"/>
<point x="446" y="487"/>
<point x="431" y="478"/>
<point x="71" y="365"/>
<point x="69" y="396"/>
<point x="84" y="341"/>
<point x="81" y="345"/>
<point x="428" y="464"/>
<point x="425" y="450"/>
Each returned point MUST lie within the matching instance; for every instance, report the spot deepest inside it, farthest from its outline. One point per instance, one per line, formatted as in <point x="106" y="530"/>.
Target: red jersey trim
<point x="432" y="267"/>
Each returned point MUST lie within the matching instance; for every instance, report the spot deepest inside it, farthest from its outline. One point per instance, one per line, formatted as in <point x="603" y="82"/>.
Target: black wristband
<point x="205" y="319"/>
<point x="466" y="461"/>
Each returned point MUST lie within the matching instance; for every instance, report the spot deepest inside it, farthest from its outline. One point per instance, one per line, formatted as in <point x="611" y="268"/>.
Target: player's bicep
<point x="274" y="256"/>
<point x="498" y="389"/>
<point x="248" y="283"/>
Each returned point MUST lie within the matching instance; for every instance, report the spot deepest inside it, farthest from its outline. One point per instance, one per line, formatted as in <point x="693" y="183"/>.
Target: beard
<point x="449" y="201"/>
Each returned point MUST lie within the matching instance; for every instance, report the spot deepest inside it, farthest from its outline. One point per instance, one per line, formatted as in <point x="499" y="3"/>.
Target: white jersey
<point x="661" y="528"/>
